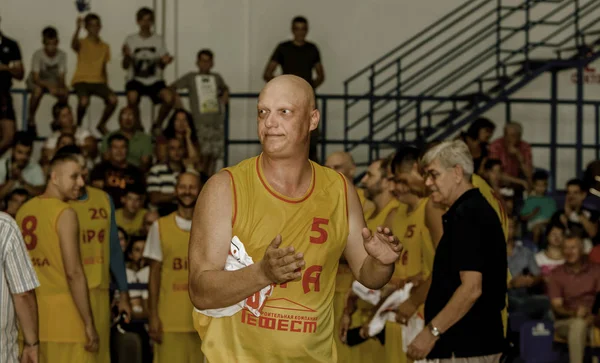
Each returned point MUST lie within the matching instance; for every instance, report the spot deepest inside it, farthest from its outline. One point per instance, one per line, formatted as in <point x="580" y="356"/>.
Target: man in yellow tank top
<point x="408" y="171"/>
<point x="343" y="163"/>
<point x="170" y="309"/>
<point x="296" y="219"/>
<point x="66" y="324"/>
<point x="101" y="254"/>
<point x="358" y="312"/>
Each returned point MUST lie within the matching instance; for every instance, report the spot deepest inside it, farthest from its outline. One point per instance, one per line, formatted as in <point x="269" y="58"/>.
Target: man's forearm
<point x="6" y="188"/>
<point x="27" y="313"/>
<point x="563" y="313"/>
<point x="375" y="275"/>
<point x="220" y="289"/>
<point x="591" y="228"/>
<point x="459" y="305"/>
<point x="81" y="297"/>
<point x="418" y="295"/>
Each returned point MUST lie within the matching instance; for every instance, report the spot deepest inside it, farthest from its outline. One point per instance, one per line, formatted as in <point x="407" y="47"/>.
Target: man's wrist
<point x="34" y="344"/>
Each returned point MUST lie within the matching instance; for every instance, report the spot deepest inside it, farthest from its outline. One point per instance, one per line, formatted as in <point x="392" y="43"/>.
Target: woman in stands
<point x="551" y="256"/>
<point x="477" y="138"/>
<point x="181" y="126"/>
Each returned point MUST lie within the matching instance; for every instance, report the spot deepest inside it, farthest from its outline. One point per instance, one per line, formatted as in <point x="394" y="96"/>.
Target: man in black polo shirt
<point x="468" y="287"/>
<point x="11" y="66"/>
<point x="299" y="57"/>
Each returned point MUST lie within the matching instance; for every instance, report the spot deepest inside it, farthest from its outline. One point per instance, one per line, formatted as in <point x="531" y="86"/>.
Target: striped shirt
<point x="161" y="179"/>
<point x="16" y="277"/>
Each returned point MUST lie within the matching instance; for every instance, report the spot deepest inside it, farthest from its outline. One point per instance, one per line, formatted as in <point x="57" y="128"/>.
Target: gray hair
<point x="451" y="154"/>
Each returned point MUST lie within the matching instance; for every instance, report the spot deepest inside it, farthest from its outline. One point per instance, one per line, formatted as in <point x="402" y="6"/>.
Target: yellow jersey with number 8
<point x="59" y="319"/>
<point x="296" y="323"/>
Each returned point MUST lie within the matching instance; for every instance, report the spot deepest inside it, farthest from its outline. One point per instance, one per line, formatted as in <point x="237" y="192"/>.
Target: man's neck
<point x="185" y="213"/>
<point x="299" y="42"/>
<point x="381" y="201"/>
<point x="553" y="251"/>
<point x="127" y="215"/>
<point x="175" y="166"/>
<point x="121" y="165"/>
<point x="127" y="133"/>
<point x="290" y="176"/>
<point x="94" y="38"/>
<point x="52" y="192"/>
<point x="576" y="266"/>
<point x="412" y="202"/>
<point x="145" y="33"/>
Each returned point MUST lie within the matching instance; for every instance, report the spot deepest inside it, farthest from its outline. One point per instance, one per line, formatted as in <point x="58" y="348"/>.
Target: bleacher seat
<point x="537" y="339"/>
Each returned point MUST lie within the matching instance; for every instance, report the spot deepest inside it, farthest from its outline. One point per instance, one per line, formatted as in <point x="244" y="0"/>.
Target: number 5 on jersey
<point x="321" y="233"/>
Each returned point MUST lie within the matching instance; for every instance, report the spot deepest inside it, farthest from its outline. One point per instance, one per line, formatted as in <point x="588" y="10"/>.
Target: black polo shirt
<point x="9" y="52"/>
<point x="298" y="60"/>
<point x="473" y="240"/>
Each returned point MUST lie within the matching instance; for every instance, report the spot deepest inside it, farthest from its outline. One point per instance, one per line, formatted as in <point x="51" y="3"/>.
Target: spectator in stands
<point x="11" y="66"/>
<point x="123" y="241"/>
<point x="64" y="124"/>
<point x="526" y="274"/>
<point x="150" y="217"/>
<point x="90" y="76"/>
<point x="181" y="126"/>
<point x="160" y="150"/>
<point x="477" y="138"/>
<point x="513" y="152"/>
<point x="131" y="216"/>
<point x="139" y="152"/>
<point x="144" y="57"/>
<point x="134" y="344"/>
<point x="552" y="255"/>
<point x="115" y="174"/>
<point x="162" y="178"/>
<point x="17" y="170"/>
<point x="572" y="289"/>
<point x="208" y="108"/>
<point x="299" y="57"/>
<point x="14" y="200"/>
<point x="575" y="217"/>
<point x="538" y="207"/>
<point x="48" y="69"/>
<point x="18" y="282"/>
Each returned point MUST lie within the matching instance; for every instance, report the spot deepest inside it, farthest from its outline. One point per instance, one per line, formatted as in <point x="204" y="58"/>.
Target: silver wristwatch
<point x="434" y="331"/>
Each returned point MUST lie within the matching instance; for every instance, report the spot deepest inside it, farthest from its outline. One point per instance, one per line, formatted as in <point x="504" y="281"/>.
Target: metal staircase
<point x="467" y="62"/>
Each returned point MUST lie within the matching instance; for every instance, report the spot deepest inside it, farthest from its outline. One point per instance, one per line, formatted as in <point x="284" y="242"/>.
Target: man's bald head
<point x="342" y="162"/>
<point x="292" y="88"/>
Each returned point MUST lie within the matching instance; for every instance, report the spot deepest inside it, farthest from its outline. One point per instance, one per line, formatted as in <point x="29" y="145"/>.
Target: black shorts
<point x="101" y="90"/>
<point x="7" y="111"/>
<point x="152" y="91"/>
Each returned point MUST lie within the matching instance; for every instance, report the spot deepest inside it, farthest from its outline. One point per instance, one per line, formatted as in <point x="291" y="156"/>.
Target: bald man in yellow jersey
<point x="343" y="163"/>
<point x="171" y="324"/>
<point x="51" y="231"/>
<point x="101" y="254"/>
<point x="296" y="219"/>
<point x="358" y="312"/>
<point x="408" y="159"/>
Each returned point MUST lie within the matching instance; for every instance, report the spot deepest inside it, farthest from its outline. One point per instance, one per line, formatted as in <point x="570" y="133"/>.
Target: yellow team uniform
<point x="412" y="232"/>
<point x="93" y="214"/>
<point x="61" y="329"/>
<point x="491" y="197"/>
<point x="372" y="349"/>
<point x="296" y="323"/>
<point x="132" y="227"/>
<point x="180" y="341"/>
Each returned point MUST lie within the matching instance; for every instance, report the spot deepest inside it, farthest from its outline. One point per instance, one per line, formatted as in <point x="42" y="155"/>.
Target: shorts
<point x="100" y="304"/>
<point x="101" y="90"/>
<point x="152" y="91"/>
<point x="212" y="140"/>
<point x="7" y="111"/>
<point x="179" y="347"/>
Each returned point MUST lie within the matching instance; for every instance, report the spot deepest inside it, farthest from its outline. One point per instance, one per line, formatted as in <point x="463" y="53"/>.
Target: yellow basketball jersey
<point x="94" y="229"/>
<point x="296" y="324"/>
<point x="59" y="319"/>
<point x="493" y="199"/>
<point x="410" y="229"/>
<point x="174" y="305"/>
<point x="374" y="221"/>
<point x="131" y="227"/>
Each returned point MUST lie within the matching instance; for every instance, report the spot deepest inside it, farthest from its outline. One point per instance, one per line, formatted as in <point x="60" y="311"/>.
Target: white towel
<point x="238" y="258"/>
<point x="366" y="294"/>
<point x="377" y="324"/>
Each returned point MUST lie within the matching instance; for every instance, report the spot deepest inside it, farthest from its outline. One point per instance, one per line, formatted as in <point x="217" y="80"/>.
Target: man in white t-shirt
<point x="144" y="57"/>
<point x="170" y="309"/>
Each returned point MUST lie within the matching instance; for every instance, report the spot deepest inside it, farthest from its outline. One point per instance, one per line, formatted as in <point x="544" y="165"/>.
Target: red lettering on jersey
<point x="90" y="234"/>
<point x="180" y="264"/>
<point x="28" y="227"/>
<point x="268" y="323"/>
<point x="316" y="227"/>
<point x="40" y="262"/>
<point x="98" y="213"/>
<point x="254" y="300"/>
<point x="404" y="258"/>
<point x="294" y="324"/>
<point x="410" y="231"/>
<point x="310" y="327"/>
<point x="309" y="279"/>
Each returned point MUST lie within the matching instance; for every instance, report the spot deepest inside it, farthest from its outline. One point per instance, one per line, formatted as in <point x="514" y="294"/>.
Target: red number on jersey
<point x="28" y="227"/>
<point x="410" y="231"/>
<point x="316" y="227"/>
<point x="98" y="213"/>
